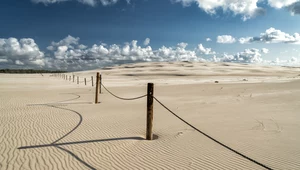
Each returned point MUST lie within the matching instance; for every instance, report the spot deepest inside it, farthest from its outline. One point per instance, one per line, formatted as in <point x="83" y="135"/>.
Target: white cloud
<point x="20" y="52"/>
<point x="225" y="39"/>
<point x="69" y="55"/>
<point x="273" y="35"/>
<point x="147" y="41"/>
<point x="265" y="50"/>
<point x="204" y="50"/>
<point x="246" y="8"/>
<point x="281" y="3"/>
<point x="208" y="39"/>
<point x="245" y="40"/>
<point x="247" y="56"/>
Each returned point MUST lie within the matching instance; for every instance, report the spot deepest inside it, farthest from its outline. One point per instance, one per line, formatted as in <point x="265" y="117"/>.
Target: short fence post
<point x="84" y="81"/>
<point x="149" y="135"/>
<point x="73" y="78"/>
<point x="97" y="87"/>
<point x="100" y="82"/>
<point x="77" y="79"/>
<point x="92" y="81"/>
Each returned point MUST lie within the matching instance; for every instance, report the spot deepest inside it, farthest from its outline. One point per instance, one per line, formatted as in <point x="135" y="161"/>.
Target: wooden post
<point x="84" y="81"/>
<point x="70" y="78"/>
<point x="73" y="78"/>
<point x="100" y="82"/>
<point x="92" y="78"/>
<point x="77" y="79"/>
<point x="149" y="135"/>
<point x="97" y="87"/>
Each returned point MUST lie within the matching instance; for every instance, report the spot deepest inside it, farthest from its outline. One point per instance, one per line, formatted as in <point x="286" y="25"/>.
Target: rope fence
<point x="122" y="98"/>
<point x="150" y="97"/>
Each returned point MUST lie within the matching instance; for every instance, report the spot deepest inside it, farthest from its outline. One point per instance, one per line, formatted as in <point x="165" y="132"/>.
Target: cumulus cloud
<point x="67" y="54"/>
<point x="225" y="39"/>
<point x="208" y="39"/>
<point x="265" y="50"/>
<point x="273" y="35"/>
<point x="204" y="50"/>
<point x="281" y="3"/>
<point x="87" y="2"/>
<point x="147" y="41"/>
<point x="247" y="56"/>
<point x="14" y="52"/>
<point x="246" y="8"/>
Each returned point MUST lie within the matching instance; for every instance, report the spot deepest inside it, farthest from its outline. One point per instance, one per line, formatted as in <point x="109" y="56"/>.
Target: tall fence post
<point x="84" y="81"/>
<point x="77" y="79"/>
<point x="97" y="87"/>
<point x="100" y="82"/>
<point x="149" y="135"/>
<point x="92" y="81"/>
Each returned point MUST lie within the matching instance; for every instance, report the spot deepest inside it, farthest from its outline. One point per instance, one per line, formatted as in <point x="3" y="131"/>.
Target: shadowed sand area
<point x="50" y="123"/>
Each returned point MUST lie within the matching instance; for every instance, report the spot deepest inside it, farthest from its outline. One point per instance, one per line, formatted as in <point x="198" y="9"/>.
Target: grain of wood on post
<point x="150" y="92"/>
<point x="97" y="87"/>
<point x="100" y="82"/>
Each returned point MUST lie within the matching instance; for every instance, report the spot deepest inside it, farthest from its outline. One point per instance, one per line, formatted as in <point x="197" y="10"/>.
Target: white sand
<point x="258" y="116"/>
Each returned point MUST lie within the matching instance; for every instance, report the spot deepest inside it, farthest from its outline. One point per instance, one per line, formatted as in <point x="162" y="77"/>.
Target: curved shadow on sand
<point x="57" y="145"/>
<point x="78" y="124"/>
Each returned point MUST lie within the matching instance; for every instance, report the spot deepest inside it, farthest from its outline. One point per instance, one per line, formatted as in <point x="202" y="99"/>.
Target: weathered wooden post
<point x="77" y="79"/>
<point x="149" y="135"/>
<point x="73" y="78"/>
<point x="100" y="82"/>
<point x="97" y="87"/>
<point x="84" y="81"/>
<point x="92" y="79"/>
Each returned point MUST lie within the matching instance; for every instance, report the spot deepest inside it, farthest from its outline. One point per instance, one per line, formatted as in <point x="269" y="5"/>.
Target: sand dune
<point x="50" y="123"/>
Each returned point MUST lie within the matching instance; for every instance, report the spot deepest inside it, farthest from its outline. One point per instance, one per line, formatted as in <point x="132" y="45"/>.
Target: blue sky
<point x="45" y="24"/>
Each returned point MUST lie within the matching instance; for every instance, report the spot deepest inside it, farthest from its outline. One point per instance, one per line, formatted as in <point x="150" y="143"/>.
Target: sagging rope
<point x="215" y="140"/>
<point x="122" y="98"/>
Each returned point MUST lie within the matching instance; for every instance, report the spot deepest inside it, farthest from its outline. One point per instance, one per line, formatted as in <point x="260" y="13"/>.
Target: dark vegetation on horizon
<point x="30" y="71"/>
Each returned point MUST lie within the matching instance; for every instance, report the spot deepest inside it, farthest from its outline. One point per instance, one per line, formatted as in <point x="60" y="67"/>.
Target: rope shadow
<point x="76" y="157"/>
<point x="80" y="142"/>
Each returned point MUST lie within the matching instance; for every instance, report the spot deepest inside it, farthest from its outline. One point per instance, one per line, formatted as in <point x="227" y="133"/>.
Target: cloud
<point x="87" y="2"/>
<point x="208" y="39"/>
<point x="147" y="41"/>
<point x="14" y="53"/>
<point x="265" y="50"/>
<point x="281" y="3"/>
<point x="67" y="54"/>
<point x="247" y="56"/>
<point x="204" y="50"/>
<point x="273" y="35"/>
<point x="246" y="8"/>
<point x="225" y="39"/>
<point x="294" y="8"/>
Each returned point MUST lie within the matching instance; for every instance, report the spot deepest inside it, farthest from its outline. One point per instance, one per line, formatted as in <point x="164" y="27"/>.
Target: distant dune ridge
<point x="50" y="123"/>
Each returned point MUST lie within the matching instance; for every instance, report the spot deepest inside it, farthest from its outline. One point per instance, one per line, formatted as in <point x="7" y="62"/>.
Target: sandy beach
<point x="50" y="123"/>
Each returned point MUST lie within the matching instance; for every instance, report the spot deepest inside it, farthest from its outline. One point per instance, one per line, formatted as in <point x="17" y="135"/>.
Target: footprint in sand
<point x="268" y="125"/>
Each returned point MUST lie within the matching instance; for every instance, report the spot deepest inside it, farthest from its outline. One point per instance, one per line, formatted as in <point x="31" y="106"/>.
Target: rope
<point x="215" y="140"/>
<point x="122" y="98"/>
